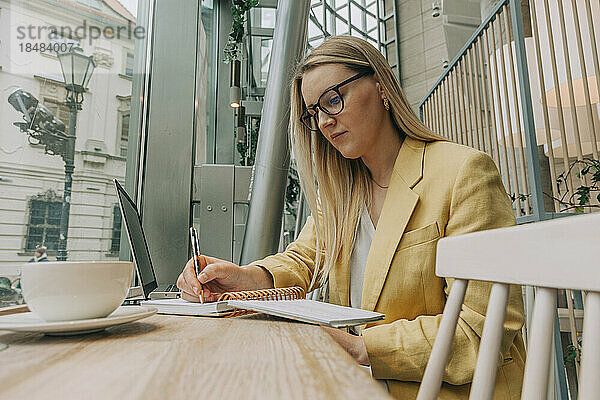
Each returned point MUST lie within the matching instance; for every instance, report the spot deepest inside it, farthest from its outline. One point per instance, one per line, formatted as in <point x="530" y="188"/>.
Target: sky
<point x="131" y="5"/>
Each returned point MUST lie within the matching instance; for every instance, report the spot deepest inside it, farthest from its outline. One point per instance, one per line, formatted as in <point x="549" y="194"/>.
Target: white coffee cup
<point x="74" y="290"/>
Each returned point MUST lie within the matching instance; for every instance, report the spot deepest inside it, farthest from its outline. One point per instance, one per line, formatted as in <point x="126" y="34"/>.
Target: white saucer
<point x="29" y="322"/>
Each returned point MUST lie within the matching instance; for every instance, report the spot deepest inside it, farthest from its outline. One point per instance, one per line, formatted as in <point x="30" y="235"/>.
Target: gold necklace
<point x="383" y="187"/>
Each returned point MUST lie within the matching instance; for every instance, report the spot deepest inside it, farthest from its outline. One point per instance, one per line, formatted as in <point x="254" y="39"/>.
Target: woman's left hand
<point x="354" y="345"/>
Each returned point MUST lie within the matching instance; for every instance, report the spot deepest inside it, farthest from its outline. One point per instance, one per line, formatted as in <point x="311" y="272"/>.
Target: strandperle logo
<point x="80" y="32"/>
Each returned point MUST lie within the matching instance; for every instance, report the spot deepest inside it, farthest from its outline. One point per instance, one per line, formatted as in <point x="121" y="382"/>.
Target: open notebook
<point x="287" y="303"/>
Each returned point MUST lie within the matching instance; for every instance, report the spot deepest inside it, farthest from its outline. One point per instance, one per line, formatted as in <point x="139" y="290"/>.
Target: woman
<point x="383" y="189"/>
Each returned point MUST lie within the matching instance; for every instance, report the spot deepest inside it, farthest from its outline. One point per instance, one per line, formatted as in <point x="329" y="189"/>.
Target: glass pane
<point x="35" y="173"/>
<point x="265" y="54"/>
<point x="36" y="232"/>
<point x="207" y="133"/>
<point x="52" y="236"/>
<point x="262" y="17"/>
<point x="341" y="28"/>
<point x="340" y="3"/>
<point x="371" y="25"/>
<point x="116" y="230"/>
<point x="54" y="214"/>
<point x="356" y="16"/>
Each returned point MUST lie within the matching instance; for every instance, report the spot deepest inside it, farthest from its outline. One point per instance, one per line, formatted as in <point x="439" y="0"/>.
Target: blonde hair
<point x="336" y="188"/>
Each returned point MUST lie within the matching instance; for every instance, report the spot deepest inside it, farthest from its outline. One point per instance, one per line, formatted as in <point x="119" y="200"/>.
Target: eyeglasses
<point x="330" y="102"/>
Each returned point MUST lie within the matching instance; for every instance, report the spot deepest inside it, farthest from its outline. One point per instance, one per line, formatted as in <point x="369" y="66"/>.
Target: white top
<point x="358" y="260"/>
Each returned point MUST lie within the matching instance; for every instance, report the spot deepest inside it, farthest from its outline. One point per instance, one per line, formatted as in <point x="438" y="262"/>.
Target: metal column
<point x="272" y="154"/>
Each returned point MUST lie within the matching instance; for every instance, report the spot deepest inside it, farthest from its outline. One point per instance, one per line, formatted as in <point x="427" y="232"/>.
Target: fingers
<point x="214" y="271"/>
<point x="190" y="297"/>
<point x="187" y="281"/>
<point x="211" y="260"/>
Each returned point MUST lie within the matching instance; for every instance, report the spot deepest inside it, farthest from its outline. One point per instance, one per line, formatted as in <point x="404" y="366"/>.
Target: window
<point x="28" y="216"/>
<point x="44" y="221"/>
<point x="59" y="110"/>
<point x="129" y="64"/>
<point x="124" y="133"/>
<point x="366" y="19"/>
<point x="115" y="242"/>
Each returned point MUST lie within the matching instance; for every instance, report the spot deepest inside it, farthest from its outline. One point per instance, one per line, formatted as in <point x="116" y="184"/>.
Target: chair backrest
<point x="550" y="255"/>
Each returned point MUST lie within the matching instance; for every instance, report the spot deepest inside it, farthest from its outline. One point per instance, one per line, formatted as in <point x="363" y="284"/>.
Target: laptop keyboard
<point x="172" y="288"/>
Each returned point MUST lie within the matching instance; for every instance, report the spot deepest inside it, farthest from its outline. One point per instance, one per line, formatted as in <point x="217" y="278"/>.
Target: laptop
<point x="149" y="288"/>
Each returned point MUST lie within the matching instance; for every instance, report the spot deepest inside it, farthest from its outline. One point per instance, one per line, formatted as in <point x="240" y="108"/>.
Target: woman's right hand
<point x="219" y="276"/>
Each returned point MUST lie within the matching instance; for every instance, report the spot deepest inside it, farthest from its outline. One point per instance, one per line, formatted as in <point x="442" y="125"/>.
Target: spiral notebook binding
<point x="290" y="293"/>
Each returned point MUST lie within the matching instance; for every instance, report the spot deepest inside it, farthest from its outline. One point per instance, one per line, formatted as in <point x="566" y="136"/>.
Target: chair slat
<point x="590" y="362"/>
<point x="434" y="372"/>
<point x="533" y="254"/>
<point x="484" y="378"/>
<point x="535" y="382"/>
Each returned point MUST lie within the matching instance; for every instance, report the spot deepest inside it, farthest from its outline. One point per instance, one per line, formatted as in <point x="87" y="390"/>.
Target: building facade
<point x="31" y="181"/>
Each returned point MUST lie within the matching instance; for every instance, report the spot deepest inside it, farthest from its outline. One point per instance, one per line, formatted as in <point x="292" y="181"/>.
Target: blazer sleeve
<point x="400" y="350"/>
<point x="295" y="265"/>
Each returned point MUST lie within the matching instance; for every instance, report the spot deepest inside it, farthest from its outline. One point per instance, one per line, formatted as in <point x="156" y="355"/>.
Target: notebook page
<point x="184" y="307"/>
<point x="310" y="311"/>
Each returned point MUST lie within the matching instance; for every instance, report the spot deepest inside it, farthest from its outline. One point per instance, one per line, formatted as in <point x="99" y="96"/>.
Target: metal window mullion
<point x="336" y="14"/>
<point x="349" y="18"/>
<point x="364" y="18"/>
<point x="362" y="8"/>
<point x="379" y="42"/>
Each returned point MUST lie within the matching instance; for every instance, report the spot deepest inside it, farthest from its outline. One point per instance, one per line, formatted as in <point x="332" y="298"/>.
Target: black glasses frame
<point x="336" y="89"/>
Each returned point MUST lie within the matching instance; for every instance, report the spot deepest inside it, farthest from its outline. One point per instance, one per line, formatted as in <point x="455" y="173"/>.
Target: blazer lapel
<point x="399" y="204"/>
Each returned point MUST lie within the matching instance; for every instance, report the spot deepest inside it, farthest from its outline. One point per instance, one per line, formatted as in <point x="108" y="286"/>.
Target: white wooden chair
<point x="550" y="255"/>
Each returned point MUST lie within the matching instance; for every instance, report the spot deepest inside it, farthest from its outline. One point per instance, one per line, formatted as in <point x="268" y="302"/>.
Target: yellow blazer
<point x="437" y="189"/>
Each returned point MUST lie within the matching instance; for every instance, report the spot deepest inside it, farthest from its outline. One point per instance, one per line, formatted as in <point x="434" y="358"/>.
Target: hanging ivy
<point x="233" y="49"/>
<point x="247" y="154"/>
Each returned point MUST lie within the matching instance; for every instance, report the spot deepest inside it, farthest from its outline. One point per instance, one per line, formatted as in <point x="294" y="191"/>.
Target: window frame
<point x="48" y="196"/>
<point x="115" y="236"/>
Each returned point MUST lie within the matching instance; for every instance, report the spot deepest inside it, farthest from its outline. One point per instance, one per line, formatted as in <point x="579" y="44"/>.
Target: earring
<point x="386" y="104"/>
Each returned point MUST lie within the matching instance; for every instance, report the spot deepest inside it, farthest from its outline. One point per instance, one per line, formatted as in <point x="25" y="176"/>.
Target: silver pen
<point x="196" y="255"/>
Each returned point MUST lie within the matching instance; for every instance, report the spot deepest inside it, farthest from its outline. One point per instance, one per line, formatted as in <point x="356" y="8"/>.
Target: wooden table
<point x="178" y="357"/>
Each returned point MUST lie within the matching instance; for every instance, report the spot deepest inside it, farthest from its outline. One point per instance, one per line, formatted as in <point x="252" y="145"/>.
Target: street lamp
<point x="45" y="129"/>
<point x="77" y="70"/>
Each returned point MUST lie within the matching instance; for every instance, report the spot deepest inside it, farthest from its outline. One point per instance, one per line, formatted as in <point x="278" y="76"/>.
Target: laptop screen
<point x="137" y="241"/>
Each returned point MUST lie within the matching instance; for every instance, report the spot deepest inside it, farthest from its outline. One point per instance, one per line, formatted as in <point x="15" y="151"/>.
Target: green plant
<point x="239" y="9"/>
<point x="247" y="155"/>
<point x="580" y="197"/>
<point x="292" y="191"/>
<point x="573" y="353"/>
